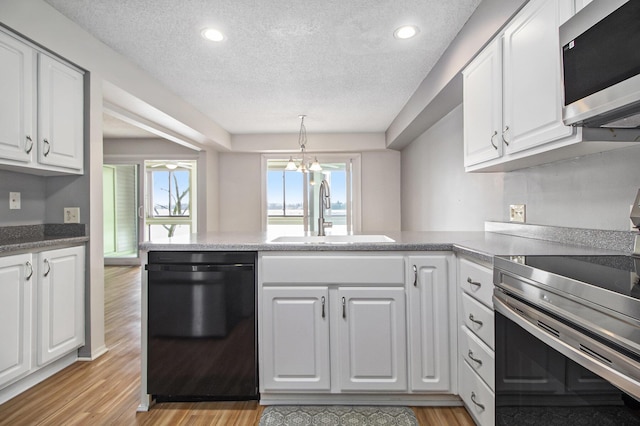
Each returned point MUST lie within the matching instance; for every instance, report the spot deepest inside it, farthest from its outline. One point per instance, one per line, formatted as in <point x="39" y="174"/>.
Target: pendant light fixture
<point x="302" y="142"/>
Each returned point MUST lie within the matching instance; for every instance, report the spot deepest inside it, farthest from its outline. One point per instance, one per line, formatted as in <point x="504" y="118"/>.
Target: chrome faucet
<point x="325" y="203"/>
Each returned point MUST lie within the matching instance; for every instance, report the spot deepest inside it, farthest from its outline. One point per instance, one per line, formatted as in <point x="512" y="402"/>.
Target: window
<point x="169" y="207"/>
<point x="292" y="197"/>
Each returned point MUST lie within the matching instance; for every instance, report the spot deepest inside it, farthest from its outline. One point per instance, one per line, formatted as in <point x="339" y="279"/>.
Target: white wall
<point x="380" y="191"/>
<point x="437" y="195"/>
<point x="593" y="191"/>
<point x="241" y="191"/>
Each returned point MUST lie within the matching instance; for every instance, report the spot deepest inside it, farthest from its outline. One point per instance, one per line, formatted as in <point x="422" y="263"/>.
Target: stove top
<point x="615" y="273"/>
<point x="610" y="281"/>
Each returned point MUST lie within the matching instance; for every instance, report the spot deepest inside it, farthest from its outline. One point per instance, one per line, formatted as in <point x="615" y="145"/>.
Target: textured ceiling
<point x="334" y="60"/>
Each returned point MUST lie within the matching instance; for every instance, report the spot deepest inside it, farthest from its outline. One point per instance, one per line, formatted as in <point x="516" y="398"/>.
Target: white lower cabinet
<point x="41" y="313"/>
<point x="295" y="339"/>
<point x="372" y="347"/>
<point x="430" y="353"/>
<point x="60" y="302"/>
<point x="356" y="324"/>
<point x="476" y="337"/>
<point x="16" y="301"/>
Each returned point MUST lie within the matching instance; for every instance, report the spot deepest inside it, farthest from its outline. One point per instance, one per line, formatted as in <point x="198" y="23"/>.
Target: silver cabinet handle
<point x="504" y="133"/>
<point x="344" y="308"/>
<point x="415" y="276"/>
<point x="470" y="355"/>
<point x="322" y="301"/>
<point x="46" y="142"/>
<point x="495" y="133"/>
<point x="28" y="150"/>
<point x="472" y="282"/>
<point x="473" y="399"/>
<point x="30" y="274"/>
<point x="46" y="262"/>
<point x="140" y="212"/>
<point x="472" y="319"/>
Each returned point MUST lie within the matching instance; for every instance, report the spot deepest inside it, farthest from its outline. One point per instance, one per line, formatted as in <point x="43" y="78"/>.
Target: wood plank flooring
<point x="107" y="391"/>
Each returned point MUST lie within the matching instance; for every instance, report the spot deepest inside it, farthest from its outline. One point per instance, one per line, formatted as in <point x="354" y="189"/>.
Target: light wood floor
<point x="106" y="391"/>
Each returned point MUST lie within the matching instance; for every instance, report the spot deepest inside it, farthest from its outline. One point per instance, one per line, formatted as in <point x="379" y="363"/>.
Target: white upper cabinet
<point x="17" y="101"/>
<point x="482" y="106"/>
<point x="60" y="119"/>
<point x="513" y="99"/>
<point x="41" y="111"/>
<point x="532" y="107"/>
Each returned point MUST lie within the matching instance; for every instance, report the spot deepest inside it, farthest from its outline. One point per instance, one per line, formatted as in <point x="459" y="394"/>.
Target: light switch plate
<point x="14" y="201"/>
<point x="517" y="213"/>
<point x="72" y="215"/>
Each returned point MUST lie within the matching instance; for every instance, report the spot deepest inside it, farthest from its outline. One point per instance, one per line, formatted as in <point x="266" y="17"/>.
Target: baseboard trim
<point x="94" y="354"/>
<point x="416" y="400"/>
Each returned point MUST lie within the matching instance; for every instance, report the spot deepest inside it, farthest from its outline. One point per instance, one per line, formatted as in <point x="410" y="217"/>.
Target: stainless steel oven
<point x="567" y="348"/>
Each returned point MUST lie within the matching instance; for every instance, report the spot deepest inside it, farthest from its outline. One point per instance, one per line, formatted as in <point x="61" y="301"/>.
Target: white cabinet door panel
<point x="16" y="275"/>
<point x="372" y="338"/>
<point x="482" y="106"/>
<point x="428" y="295"/>
<point x="295" y="340"/>
<point x="60" y="114"/>
<point x="532" y="108"/>
<point x="60" y="302"/>
<point x="16" y="100"/>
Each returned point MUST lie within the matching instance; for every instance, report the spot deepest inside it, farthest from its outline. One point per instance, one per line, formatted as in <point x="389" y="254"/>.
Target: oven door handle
<point x="607" y="363"/>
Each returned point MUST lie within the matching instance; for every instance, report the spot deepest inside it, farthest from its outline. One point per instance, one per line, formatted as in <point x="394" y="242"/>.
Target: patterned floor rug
<point x="334" y="415"/>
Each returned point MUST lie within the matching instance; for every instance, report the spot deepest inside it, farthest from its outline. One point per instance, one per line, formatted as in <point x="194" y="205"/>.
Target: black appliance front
<point x="537" y="385"/>
<point x="202" y="341"/>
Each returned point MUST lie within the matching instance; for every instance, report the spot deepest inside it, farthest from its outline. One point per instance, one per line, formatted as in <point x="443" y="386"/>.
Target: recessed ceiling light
<point x="212" y="34"/>
<point x="406" y="31"/>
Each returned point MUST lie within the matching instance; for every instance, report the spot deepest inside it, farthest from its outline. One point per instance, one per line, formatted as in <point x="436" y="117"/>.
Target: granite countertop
<point x="480" y="245"/>
<point x="15" y="239"/>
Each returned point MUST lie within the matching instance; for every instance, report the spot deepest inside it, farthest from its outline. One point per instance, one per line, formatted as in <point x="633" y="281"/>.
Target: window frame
<point x="356" y="187"/>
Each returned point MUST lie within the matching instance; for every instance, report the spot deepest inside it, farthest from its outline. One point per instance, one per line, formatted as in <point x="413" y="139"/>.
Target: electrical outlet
<point x="72" y="215"/>
<point x="517" y="213"/>
<point x="14" y="201"/>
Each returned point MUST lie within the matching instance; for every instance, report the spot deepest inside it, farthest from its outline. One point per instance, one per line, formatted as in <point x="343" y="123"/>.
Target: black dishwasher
<point x="202" y="343"/>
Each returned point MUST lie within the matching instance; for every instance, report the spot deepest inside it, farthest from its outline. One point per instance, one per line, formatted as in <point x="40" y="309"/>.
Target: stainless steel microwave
<point x="601" y="65"/>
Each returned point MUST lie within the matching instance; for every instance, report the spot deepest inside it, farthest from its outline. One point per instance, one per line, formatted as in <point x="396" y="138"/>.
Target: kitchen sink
<point x="333" y="239"/>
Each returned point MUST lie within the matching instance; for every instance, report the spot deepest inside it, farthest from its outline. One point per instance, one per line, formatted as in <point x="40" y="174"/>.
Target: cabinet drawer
<point x="479" y="399"/>
<point x="477" y="280"/>
<point x="478" y="318"/>
<point x="478" y="355"/>
<point x="331" y="269"/>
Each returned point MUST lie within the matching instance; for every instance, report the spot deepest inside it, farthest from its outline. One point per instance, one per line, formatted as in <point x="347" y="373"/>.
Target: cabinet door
<point x="16" y="100"/>
<point x="16" y="275"/>
<point x="532" y="105"/>
<point x="482" y="106"/>
<point x="295" y="339"/>
<point x="60" y="302"/>
<point x="429" y="352"/>
<point x="60" y="114"/>
<point x="371" y="338"/>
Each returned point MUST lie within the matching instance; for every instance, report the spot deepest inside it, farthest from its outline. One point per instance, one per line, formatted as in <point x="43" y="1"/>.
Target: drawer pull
<point x="472" y="282"/>
<point x="470" y="355"/>
<point x="473" y="399"/>
<point x="472" y="319"/>
<point x="322" y="300"/>
<point x="415" y="276"/>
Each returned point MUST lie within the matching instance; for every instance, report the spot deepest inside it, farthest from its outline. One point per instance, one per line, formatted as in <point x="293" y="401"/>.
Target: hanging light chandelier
<point x="303" y="166"/>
